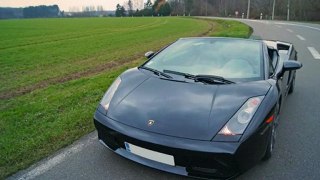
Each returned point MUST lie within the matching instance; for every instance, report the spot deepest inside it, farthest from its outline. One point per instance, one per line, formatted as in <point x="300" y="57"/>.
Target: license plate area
<point x="149" y="154"/>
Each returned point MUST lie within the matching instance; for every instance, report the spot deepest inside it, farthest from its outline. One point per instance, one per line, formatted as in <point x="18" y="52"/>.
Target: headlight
<point x="109" y="94"/>
<point x="239" y="122"/>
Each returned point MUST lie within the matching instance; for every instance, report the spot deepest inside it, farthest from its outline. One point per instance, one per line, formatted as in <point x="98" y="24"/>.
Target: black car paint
<point x="282" y="78"/>
<point x="200" y="110"/>
<point x="227" y="159"/>
<point x="227" y="156"/>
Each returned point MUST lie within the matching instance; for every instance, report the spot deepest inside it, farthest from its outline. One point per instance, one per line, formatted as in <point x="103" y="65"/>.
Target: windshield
<point x="235" y="59"/>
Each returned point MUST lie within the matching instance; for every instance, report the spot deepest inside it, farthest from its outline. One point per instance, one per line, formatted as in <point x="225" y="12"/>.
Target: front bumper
<point x="194" y="158"/>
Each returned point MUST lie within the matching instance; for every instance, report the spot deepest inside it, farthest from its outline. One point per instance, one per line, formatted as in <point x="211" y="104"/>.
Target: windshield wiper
<point x="156" y="72"/>
<point x="186" y="75"/>
<point x="211" y="79"/>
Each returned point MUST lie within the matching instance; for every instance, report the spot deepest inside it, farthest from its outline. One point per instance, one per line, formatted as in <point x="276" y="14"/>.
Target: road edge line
<point x="46" y="164"/>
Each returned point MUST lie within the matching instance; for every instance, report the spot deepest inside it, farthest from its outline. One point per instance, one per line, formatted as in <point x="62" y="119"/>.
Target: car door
<point x="275" y="67"/>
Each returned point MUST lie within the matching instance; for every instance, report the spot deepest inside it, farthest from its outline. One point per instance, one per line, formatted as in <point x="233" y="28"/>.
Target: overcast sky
<point x="63" y="4"/>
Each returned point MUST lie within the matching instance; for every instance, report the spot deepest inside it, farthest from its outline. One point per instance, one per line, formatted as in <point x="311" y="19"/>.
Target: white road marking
<point x="57" y="159"/>
<point x="252" y="20"/>
<point x="301" y="25"/>
<point x="289" y="30"/>
<point x="301" y="38"/>
<point x="314" y="52"/>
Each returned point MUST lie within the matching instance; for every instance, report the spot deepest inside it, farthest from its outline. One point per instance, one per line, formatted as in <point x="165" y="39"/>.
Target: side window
<point x="273" y="60"/>
<point x="271" y="68"/>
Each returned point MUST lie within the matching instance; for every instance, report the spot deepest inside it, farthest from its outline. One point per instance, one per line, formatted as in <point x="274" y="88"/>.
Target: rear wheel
<point x="273" y="134"/>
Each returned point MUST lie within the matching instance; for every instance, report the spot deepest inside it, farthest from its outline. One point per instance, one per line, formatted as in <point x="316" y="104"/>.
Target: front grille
<point x="200" y="164"/>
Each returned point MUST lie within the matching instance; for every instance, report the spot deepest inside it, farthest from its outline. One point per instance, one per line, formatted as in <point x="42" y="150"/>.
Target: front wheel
<point x="273" y="134"/>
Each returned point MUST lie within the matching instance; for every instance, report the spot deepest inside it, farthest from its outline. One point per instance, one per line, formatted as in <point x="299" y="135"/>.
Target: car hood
<point x="180" y="109"/>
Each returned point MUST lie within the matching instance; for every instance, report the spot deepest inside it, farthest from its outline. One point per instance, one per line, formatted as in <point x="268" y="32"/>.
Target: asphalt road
<point x="296" y="155"/>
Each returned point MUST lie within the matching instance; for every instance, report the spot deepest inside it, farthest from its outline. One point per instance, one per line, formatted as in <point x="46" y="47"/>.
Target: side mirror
<point x="149" y="54"/>
<point x="291" y="65"/>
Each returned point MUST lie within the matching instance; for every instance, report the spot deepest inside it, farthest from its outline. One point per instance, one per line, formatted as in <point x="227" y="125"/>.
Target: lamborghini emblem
<point x="150" y="122"/>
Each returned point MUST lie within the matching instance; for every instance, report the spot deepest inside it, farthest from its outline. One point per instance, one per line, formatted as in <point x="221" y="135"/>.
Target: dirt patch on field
<point x="52" y="81"/>
<point x="207" y="33"/>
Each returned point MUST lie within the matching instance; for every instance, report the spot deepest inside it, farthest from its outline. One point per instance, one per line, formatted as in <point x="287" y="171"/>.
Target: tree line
<point x="298" y="9"/>
<point x="41" y="11"/>
<point x="30" y="12"/>
<point x="156" y="8"/>
<point x="304" y="10"/>
<point x="53" y="11"/>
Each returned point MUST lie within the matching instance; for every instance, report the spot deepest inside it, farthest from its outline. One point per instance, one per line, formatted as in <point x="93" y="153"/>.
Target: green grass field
<point x="54" y="72"/>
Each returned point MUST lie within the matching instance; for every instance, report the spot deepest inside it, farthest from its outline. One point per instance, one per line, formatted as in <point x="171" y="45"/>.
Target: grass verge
<point x="35" y="124"/>
<point x="230" y="28"/>
<point x="45" y="120"/>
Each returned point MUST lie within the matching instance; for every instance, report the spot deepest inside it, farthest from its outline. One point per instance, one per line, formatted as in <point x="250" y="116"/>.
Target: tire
<point x="291" y="89"/>
<point x="273" y="135"/>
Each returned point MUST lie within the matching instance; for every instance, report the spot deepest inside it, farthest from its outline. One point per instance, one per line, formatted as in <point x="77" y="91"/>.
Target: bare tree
<point x="299" y="9"/>
<point x="130" y="8"/>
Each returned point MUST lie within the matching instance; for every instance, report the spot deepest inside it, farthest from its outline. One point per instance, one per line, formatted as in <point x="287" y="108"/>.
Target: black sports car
<point x="202" y="107"/>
